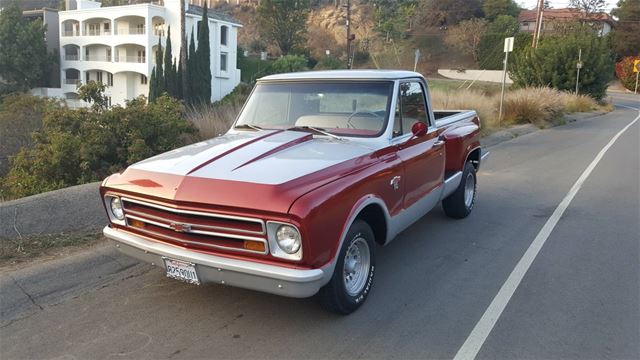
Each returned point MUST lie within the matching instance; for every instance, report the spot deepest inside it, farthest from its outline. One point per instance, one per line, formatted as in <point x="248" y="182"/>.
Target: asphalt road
<point x="579" y="299"/>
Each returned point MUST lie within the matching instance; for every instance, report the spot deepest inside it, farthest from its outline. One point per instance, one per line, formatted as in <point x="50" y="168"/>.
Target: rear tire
<point x="460" y="204"/>
<point x="354" y="271"/>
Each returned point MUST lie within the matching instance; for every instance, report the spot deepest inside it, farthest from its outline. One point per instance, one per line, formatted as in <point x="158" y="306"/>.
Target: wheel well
<point x="374" y="216"/>
<point x="474" y="157"/>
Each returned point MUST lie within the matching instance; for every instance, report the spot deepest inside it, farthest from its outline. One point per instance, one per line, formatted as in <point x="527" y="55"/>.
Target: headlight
<point x="288" y="239"/>
<point x="116" y="208"/>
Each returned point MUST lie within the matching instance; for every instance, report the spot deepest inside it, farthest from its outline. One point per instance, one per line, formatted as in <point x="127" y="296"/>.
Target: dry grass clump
<point x="540" y="106"/>
<point x="213" y="119"/>
<point x="468" y="99"/>
<point x="579" y="103"/>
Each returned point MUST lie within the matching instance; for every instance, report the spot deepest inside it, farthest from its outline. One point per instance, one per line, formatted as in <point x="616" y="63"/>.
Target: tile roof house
<point x="552" y="17"/>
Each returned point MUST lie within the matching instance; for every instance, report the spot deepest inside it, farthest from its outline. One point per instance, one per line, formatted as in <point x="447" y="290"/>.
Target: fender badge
<point x="395" y="182"/>
<point x="180" y="227"/>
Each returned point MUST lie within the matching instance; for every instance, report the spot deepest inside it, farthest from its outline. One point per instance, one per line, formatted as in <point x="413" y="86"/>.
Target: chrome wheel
<point x="357" y="262"/>
<point x="469" y="190"/>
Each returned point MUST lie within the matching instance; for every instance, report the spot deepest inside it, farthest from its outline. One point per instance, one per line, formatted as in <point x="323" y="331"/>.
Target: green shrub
<point x="289" y="63"/>
<point x="329" y="63"/>
<point x="553" y="63"/>
<point x="20" y="115"/>
<point x="79" y="146"/>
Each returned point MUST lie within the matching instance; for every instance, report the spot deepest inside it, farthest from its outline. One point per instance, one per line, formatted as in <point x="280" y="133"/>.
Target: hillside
<point x="326" y="31"/>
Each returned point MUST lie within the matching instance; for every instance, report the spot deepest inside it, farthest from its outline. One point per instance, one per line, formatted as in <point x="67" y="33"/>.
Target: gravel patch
<point x="76" y="208"/>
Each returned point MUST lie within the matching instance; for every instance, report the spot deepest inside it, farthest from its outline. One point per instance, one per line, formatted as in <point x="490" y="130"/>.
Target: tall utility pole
<point x="578" y="67"/>
<point x="538" y="29"/>
<point x="349" y="37"/>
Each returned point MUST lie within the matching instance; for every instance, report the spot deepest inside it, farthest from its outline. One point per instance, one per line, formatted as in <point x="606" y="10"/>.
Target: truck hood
<point x="265" y="170"/>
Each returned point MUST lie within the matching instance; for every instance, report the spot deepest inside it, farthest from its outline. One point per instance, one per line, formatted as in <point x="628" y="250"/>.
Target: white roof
<point x="345" y="74"/>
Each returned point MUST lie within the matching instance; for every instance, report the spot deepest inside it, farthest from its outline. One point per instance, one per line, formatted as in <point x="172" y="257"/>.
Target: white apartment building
<point x="117" y="45"/>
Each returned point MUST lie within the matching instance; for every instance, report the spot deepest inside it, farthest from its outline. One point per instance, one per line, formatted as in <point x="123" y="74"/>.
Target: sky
<point x="530" y="4"/>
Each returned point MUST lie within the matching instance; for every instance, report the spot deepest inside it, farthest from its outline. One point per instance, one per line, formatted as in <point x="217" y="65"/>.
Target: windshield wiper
<point x="316" y="129"/>
<point x="248" y="126"/>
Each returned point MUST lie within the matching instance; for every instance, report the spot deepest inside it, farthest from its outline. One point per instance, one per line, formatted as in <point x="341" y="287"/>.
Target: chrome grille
<point x="194" y="228"/>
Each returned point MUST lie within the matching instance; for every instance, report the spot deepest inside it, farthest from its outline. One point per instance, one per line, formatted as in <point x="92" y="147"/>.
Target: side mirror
<point x="419" y="128"/>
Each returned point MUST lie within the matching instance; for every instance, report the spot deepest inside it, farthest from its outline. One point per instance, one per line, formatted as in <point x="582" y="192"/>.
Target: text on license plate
<point x="182" y="271"/>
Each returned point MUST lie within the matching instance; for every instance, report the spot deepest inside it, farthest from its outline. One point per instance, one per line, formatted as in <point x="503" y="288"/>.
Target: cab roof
<point x="344" y="75"/>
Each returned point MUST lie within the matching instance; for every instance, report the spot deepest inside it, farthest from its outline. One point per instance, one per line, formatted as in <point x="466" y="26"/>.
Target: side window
<point x="223" y="35"/>
<point x="412" y="108"/>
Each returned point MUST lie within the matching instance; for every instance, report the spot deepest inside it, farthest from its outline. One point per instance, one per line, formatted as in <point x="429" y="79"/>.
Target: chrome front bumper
<point x="221" y="270"/>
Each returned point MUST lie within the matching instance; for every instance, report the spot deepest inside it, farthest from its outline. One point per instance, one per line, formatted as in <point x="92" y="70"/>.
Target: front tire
<point x="354" y="271"/>
<point x="460" y="204"/>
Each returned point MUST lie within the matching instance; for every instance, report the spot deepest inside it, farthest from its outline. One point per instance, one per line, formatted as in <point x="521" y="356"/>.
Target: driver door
<point x="422" y="157"/>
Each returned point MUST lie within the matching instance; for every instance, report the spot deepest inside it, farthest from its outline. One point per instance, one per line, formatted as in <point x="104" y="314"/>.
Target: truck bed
<point x="448" y="117"/>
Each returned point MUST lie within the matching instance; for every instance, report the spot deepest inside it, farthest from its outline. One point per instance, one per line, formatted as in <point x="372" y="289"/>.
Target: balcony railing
<point x="132" y="59"/>
<point x="97" y="32"/>
<point x="97" y="58"/>
<point x="70" y="33"/>
<point x="72" y="81"/>
<point x="71" y="57"/>
<point x="131" y="31"/>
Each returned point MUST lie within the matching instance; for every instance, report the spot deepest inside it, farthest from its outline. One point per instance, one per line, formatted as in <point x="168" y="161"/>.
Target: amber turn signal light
<point x="254" y="245"/>
<point x="136" y="223"/>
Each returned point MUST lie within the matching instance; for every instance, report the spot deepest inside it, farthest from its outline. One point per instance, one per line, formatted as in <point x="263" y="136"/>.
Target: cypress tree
<point x="160" y="82"/>
<point x="203" y="54"/>
<point x="169" y="78"/>
<point x="178" y="78"/>
<point x="192" y="72"/>
<point x="153" y="87"/>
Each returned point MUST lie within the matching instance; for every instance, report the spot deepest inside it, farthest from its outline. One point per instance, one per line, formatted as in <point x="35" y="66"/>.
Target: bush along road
<point x="545" y="267"/>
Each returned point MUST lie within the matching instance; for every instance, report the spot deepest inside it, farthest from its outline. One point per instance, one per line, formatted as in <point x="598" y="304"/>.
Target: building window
<point x="143" y="79"/>
<point x="87" y="76"/>
<point x="109" y="79"/>
<point x="223" y="62"/>
<point x="99" y="73"/>
<point x="223" y="35"/>
<point x="107" y="28"/>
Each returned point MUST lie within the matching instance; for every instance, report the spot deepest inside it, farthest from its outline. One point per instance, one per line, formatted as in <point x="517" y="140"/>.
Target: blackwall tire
<point x="460" y="204"/>
<point x="354" y="271"/>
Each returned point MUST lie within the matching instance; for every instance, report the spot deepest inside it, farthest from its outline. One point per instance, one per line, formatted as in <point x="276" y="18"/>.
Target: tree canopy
<point x="284" y="22"/>
<point x="625" y="38"/>
<point x="494" y="8"/>
<point x="23" y="53"/>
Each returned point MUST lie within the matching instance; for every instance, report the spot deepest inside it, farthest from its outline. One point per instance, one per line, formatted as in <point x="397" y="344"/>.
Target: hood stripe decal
<point x="257" y="138"/>
<point x="286" y="145"/>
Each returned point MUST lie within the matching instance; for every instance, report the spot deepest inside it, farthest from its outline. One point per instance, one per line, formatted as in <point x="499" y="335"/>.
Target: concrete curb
<point x="72" y="209"/>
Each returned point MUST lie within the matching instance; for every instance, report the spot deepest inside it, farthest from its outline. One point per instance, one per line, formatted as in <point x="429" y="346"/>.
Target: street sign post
<point x="636" y="69"/>
<point x="508" y="47"/>
<point x="578" y="67"/>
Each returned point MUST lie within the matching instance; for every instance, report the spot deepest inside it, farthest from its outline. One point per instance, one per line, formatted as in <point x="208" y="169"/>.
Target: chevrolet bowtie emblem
<point x="180" y="227"/>
<point x="395" y="182"/>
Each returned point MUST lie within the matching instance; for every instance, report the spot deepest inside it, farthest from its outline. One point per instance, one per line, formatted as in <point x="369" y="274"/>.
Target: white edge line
<point x="483" y="328"/>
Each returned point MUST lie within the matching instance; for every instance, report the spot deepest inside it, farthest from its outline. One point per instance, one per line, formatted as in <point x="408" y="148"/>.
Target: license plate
<point x="181" y="270"/>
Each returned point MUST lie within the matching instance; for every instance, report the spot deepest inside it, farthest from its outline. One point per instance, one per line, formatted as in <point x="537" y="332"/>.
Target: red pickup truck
<point x="318" y="168"/>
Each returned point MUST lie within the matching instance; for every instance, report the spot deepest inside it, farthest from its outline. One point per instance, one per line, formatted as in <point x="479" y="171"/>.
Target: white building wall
<point x="125" y="62"/>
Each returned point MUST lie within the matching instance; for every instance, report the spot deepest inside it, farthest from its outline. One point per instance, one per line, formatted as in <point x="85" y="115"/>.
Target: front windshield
<point x="341" y="108"/>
